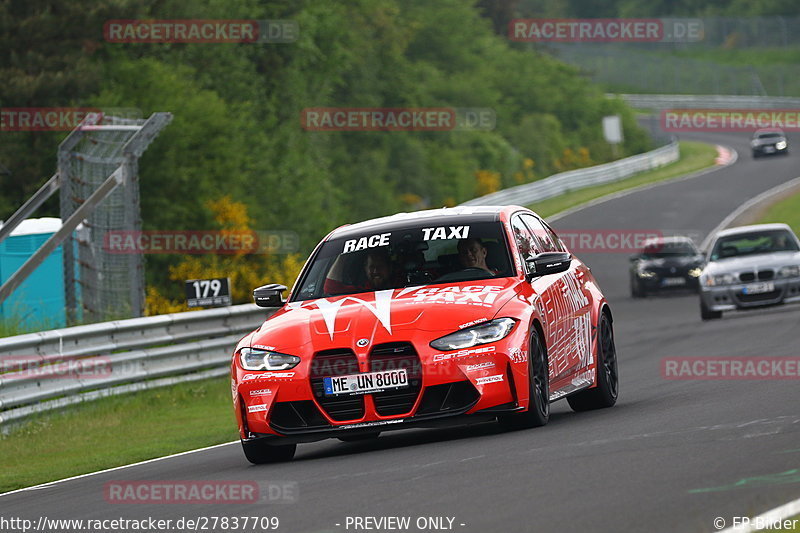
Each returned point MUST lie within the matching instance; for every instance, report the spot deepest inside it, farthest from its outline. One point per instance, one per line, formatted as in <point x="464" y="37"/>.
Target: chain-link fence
<point x="644" y="71"/>
<point x="104" y="285"/>
<point x="666" y="67"/>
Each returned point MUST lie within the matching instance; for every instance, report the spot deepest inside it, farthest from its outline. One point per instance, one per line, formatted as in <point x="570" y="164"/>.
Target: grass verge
<point x="130" y="428"/>
<point x="694" y="156"/>
<point x="117" y="431"/>
<point x="786" y="210"/>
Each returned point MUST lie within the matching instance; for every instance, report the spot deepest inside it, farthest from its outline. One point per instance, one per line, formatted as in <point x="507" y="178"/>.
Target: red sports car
<point x="433" y="318"/>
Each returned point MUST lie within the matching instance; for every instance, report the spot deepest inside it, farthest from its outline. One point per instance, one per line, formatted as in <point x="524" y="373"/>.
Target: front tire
<point x="538" y="413"/>
<point x="258" y="452"/>
<point x="637" y="291"/>
<point x="607" y="389"/>
<point x="708" y="314"/>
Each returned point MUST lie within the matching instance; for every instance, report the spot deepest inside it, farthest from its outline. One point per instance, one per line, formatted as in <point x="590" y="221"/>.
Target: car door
<point x="541" y="296"/>
<point x="564" y="297"/>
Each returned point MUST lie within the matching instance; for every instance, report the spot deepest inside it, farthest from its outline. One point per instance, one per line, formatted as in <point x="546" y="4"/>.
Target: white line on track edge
<point x="747" y="205"/>
<point x="58" y="481"/>
<point x="646" y="186"/>
<point x="774" y="515"/>
<point x="564" y="213"/>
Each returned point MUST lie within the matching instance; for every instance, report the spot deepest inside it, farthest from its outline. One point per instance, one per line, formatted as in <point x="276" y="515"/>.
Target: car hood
<point x="383" y="316"/>
<point x="753" y="262"/>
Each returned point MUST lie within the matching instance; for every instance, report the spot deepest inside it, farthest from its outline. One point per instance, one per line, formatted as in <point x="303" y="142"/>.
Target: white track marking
<point x="747" y="205"/>
<point x="778" y="514"/>
<point x="554" y="217"/>
<point x="646" y="186"/>
<point x="58" y="481"/>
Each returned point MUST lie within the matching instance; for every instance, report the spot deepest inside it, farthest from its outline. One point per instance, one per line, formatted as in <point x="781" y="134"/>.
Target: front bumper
<point x="443" y="387"/>
<point x="669" y="282"/>
<point x="770" y="149"/>
<point x="732" y="297"/>
<point x="456" y="418"/>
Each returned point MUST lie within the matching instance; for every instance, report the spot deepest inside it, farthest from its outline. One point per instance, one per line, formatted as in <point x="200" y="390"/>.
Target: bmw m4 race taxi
<point x="440" y="317"/>
<point x="750" y="266"/>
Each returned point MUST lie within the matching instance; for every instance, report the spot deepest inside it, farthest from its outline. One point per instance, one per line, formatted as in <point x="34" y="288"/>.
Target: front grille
<point x="296" y="415"/>
<point x="747" y="276"/>
<point x="338" y="362"/>
<point x="764" y="275"/>
<point x="392" y="356"/>
<point x="762" y="297"/>
<point x="460" y="395"/>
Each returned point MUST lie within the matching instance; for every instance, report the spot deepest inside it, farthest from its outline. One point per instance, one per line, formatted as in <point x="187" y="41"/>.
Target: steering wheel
<point x="455" y="276"/>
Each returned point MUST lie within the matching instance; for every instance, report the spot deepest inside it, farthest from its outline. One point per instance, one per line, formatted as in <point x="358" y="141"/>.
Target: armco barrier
<point x="578" y="179"/>
<point x="707" y="101"/>
<point x="140" y="353"/>
<point x="54" y="368"/>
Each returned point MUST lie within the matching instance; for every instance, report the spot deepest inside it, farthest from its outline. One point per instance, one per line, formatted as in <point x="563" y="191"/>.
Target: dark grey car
<point x="769" y="142"/>
<point x="666" y="263"/>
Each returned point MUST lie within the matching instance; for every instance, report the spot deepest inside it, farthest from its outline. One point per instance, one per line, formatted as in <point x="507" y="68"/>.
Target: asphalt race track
<point x="671" y="456"/>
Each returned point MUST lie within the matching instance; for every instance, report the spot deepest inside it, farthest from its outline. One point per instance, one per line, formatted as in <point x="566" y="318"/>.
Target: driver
<point x="472" y="254"/>
<point x="780" y="243"/>
<point x="377" y="271"/>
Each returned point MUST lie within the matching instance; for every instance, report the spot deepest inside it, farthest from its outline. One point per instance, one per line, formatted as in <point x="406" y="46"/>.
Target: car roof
<point x="447" y="215"/>
<point x="672" y="239"/>
<point x="755" y="227"/>
<point x="768" y="130"/>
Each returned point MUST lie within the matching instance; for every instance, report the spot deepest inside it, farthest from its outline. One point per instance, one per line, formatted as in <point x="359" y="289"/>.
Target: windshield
<point x="415" y="255"/>
<point x="669" y="249"/>
<point x="757" y="242"/>
<point x="772" y="135"/>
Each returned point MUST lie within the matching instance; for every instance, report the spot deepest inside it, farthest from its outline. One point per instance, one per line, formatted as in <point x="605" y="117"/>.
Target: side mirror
<point x="269" y="295"/>
<point x="548" y="263"/>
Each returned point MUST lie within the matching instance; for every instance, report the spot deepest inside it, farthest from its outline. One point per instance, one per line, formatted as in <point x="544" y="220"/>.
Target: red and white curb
<point x="725" y="156"/>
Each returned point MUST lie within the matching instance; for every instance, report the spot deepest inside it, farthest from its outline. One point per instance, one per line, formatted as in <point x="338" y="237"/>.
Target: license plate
<point x="671" y="282"/>
<point x="758" y="288"/>
<point x="769" y="149"/>
<point x="366" y="383"/>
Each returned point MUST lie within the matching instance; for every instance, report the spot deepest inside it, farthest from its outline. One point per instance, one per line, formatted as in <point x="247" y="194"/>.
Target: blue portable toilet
<point x="39" y="302"/>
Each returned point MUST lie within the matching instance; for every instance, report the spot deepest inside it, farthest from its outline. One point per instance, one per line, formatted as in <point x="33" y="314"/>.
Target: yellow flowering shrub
<point x="245" y="270"/>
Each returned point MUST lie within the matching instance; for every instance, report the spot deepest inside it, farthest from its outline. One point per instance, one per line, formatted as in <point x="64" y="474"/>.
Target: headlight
<point x="792" y="271"/>
<point x="780" y="145"/>
<point x="646" y="274"/>
<point x="256" y="359"/>
<point x="722" y="279"/>
<point x="695" y="272"/>
<point x="491" y="331"/>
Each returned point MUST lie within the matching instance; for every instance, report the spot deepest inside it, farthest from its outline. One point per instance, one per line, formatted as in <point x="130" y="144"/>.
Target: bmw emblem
<point x="362" y="342"/>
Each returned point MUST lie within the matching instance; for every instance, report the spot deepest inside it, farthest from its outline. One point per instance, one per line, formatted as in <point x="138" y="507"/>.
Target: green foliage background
<point x="237" y="107"/>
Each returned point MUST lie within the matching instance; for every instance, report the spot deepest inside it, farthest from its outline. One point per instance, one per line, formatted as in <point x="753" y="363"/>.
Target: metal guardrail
<point x="581" y="178"/>
<point x="50" y="369"/>
<point x="707" y="101"/>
